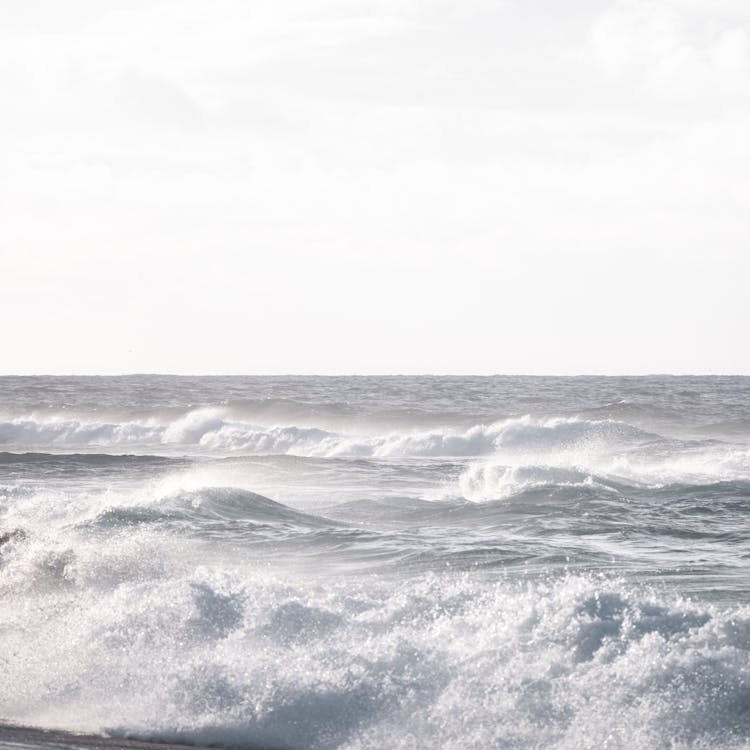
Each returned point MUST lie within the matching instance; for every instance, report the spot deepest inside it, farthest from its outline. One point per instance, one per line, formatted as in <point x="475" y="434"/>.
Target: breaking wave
<point x="67" y="433"/>
<point x="209" y="429"/>
<point x="607" y="465"/>
<point x="210" y="656"/>
<point x="505" y="457"/>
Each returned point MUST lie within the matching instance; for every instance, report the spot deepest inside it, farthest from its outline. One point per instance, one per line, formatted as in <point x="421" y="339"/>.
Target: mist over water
<point x="378" y="562"/>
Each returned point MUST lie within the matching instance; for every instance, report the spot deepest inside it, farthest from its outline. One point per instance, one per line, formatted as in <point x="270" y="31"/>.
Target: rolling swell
<point x="218" y="510"/>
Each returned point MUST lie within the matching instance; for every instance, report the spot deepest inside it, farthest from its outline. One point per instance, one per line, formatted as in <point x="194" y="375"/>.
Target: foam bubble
<point x="213" y="655"/>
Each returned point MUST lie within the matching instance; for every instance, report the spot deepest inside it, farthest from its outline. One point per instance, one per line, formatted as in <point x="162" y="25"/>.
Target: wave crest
<point x="567" y="663"/>
<point x="61" y="433"/>
<point x="210" y="429"/>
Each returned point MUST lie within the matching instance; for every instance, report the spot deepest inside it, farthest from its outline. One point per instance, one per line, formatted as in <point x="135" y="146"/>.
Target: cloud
<point x="673" y="50"/>
<point x="514" y="187"/>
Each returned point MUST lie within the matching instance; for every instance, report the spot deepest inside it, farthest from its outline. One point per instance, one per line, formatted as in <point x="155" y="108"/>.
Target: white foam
<point x="511" y="455"/>
<point x="149" y="644"/>
<point x="530" y="454"/>
<point x="522" y="434"/>
<point x="67" y="433"/>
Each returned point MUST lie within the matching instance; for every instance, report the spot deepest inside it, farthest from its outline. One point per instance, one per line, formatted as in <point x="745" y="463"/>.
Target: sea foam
<point x="131" y="643"/>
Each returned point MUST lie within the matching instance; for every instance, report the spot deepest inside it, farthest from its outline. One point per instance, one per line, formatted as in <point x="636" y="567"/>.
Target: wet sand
<point x="15" y="737"/>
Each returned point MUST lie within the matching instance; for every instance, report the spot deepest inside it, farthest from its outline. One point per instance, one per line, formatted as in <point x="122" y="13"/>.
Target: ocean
<point x="378" y="562"/>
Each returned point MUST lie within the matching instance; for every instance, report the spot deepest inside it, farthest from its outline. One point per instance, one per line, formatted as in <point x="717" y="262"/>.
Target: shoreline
<point x="14" y="736"/>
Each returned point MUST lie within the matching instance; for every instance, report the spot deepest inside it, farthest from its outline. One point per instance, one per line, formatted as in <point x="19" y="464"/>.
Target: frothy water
<point x="378" y="562"/>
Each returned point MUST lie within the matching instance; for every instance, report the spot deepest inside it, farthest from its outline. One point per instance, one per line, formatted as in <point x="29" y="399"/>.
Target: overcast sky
<point x="375" y="186"/>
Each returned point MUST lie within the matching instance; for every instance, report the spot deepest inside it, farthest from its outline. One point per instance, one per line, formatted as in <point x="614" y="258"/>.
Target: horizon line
<point x="377" y="375"/>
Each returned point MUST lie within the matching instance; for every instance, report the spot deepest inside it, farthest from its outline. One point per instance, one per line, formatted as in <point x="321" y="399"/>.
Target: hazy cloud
<point x="518" y="186"/>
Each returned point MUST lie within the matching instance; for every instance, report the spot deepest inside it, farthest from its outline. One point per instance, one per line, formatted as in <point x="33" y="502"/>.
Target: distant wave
<point x="71" y="433"/>
<point x="509" y="456"/>
<point x="210" y="429"/>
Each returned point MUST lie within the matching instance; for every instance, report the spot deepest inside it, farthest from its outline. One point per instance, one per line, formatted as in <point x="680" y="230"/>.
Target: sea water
<point x="378" y="562"/>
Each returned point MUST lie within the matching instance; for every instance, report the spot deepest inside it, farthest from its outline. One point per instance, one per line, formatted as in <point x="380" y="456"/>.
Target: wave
<point x="510" y="456"/>
<point x="594" y="522"/>
<point x="66" y="433"/>
<point x="493" y="480"/>
<point x="432" y="661"/>
<point x="610" y="455"/>
<point x="209" y="428"/>
<point x="224" y="511"/>
<point x="504" y="475"/>
<point x="516" y="434"/>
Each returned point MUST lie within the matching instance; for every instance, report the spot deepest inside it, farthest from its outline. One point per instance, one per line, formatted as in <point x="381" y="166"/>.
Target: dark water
<point x="378" y="562"/>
